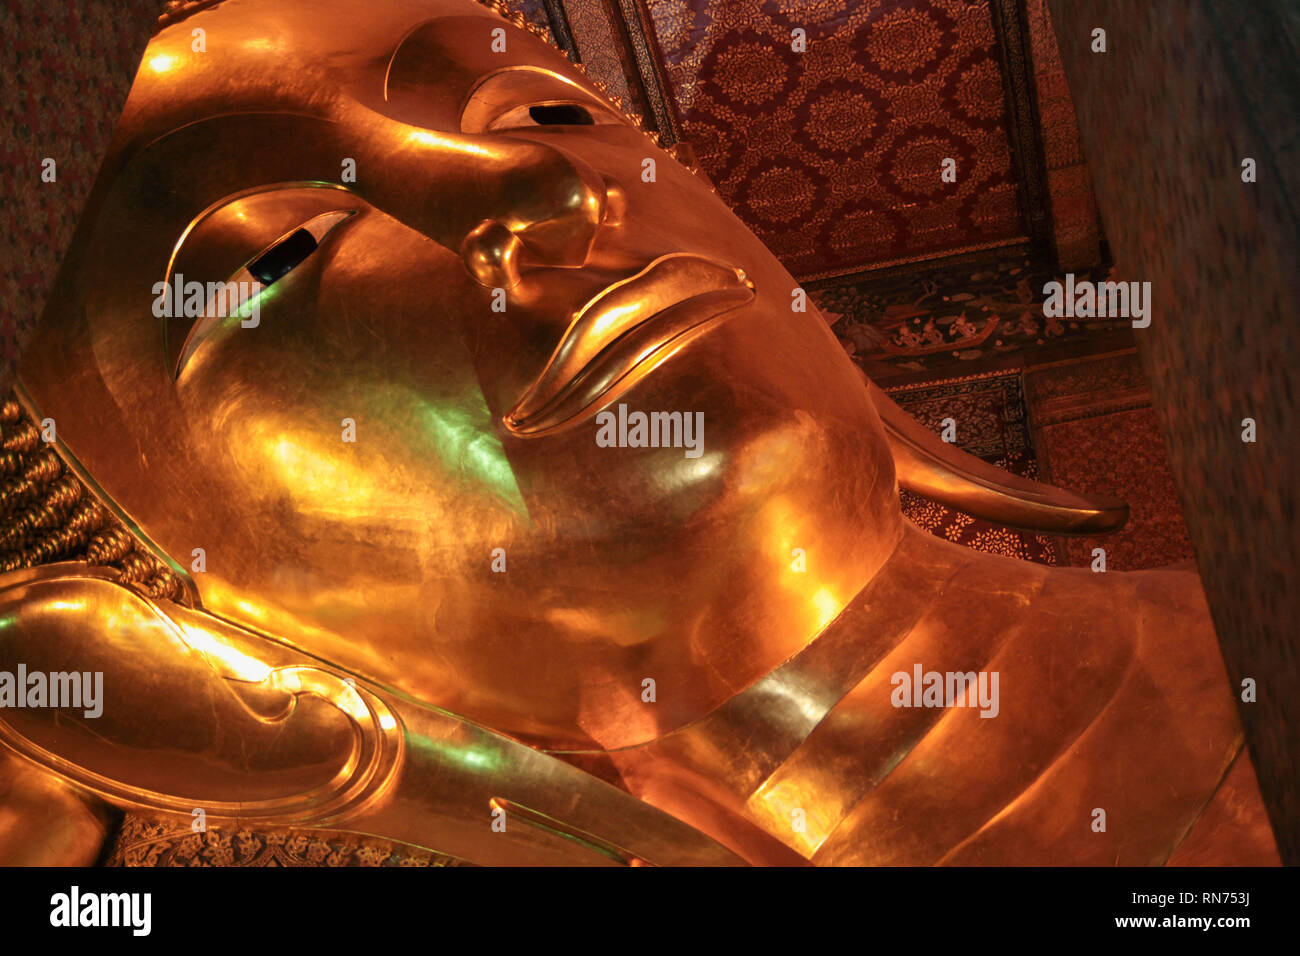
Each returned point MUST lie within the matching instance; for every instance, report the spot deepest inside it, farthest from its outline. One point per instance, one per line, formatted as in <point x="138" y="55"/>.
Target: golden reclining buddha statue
<point x="389" y="552"/>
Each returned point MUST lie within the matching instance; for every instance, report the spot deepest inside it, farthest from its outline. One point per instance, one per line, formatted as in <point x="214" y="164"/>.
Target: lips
<point x="626" y="332"/>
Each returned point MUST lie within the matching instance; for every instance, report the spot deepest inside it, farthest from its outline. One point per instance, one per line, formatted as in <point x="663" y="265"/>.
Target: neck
<point x="707" y="772"/>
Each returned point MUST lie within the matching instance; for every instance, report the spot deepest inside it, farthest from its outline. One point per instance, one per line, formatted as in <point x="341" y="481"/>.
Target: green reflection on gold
<point x="462" y="436"/>
<point x="487" y="759"/>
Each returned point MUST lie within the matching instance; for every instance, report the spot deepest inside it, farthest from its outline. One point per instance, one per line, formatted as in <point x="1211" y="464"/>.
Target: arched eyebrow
<point x="498" y="92"/>
<point x="452" y="56"/>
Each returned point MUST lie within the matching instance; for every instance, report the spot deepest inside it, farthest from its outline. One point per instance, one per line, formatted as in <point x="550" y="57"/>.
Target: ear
<point x="166" y="710"/>
<point x="942" y="472"/>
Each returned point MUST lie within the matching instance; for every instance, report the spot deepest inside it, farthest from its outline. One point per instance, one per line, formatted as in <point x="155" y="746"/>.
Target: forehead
<point x="298" y="55"/>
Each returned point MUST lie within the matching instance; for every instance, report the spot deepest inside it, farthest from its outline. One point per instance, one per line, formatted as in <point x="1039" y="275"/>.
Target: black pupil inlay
<point x="283" y="256"/>
<point x="560" y="114"/>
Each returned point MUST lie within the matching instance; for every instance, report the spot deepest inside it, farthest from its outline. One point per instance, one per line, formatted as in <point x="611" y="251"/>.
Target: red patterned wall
<point x="1074" y="210"/>
<point x="833" y="155"/>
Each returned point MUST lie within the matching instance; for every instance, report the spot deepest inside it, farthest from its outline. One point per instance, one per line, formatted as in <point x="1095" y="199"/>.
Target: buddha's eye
<point x="290" y="250"/>
<point x="281" y="258"/>
<point x="551" y="114"/>
<point x="232" y="298"/>
<point x="519" y="98"/>
<point x="561" y="114"/>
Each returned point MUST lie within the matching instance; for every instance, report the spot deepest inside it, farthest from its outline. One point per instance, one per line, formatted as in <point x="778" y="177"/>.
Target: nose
<point x="499" y="249"/>
<point x="505" y="204"/>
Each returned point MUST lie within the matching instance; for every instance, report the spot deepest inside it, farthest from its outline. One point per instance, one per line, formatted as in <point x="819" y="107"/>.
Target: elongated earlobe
<point x="942" y="472"/>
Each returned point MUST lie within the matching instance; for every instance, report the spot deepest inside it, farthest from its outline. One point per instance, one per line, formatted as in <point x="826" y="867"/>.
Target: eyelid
<point x="318" y="227"/>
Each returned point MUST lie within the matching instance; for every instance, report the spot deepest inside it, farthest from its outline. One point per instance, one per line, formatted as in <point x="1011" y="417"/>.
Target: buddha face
<point x="461" y="257"/>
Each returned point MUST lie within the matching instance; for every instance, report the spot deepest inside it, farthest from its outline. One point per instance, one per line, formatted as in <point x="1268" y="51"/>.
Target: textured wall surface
<point x="1074" y="210"/>
<point x="832" y="156"/>
<point x="595" y="31"/>
<point x="65" y="69"/>
<point x="1186" y="90"/>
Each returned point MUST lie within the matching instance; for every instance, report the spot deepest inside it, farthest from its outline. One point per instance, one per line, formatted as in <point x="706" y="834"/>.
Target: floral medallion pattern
<point x="833" y="154"/>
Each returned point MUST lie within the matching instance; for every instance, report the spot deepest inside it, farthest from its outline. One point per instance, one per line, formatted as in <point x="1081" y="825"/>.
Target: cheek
<point x="355" y="398"/>
<point x="757" y="428"/>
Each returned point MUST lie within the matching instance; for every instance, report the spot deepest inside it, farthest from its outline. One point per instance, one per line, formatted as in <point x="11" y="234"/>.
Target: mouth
<point x="624" y="333"/>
